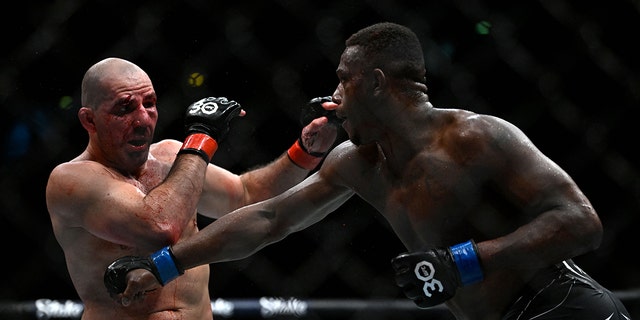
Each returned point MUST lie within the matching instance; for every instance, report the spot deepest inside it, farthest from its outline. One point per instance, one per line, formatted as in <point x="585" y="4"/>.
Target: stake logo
<point x="206" y="106"/>
<point x="424" y="271"/>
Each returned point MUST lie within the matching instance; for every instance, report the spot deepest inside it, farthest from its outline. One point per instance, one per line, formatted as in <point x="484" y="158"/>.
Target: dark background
<point x="565" y="72"/>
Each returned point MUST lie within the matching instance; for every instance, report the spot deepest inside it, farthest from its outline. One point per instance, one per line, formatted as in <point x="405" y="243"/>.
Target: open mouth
<point x="137" y="143"/>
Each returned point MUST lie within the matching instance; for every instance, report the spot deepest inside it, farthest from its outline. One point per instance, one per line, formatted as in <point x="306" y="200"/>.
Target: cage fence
<point x="560" y="70"/>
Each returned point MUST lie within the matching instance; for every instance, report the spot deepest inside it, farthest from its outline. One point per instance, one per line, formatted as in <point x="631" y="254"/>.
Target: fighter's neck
<point x="406" y="138"/>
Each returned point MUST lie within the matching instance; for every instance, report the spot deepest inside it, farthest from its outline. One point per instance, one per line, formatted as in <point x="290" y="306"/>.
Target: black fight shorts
<point x="564" y="291"/>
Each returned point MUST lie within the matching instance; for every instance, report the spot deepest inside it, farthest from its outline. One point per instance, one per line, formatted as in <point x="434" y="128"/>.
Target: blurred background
<point x="565" y="72"/>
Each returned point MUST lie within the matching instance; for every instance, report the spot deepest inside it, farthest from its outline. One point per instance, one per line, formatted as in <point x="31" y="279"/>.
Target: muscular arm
<point x="225" y="191"/>
<point x="549" y="219"/>
<point x="248" y="229"/>
<point x="88" y="195"/>
<point x="562" y="222"/>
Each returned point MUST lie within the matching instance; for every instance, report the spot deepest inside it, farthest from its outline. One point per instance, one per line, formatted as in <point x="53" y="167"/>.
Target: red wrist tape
<point x="200" y="144"/>
<point x="301" y="158"/>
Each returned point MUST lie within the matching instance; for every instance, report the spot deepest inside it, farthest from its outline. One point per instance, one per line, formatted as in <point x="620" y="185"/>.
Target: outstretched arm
<point x="234" y="236"/>
<point x="224" y="191"/>
<point x="245" y="231"/>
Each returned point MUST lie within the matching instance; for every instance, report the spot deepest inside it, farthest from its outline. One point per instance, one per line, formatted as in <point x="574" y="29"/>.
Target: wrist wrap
<point x="165" y="262"/>
<point x="200" y="144"/>
<point x="302" y="158"/>
<point x="466" y="259"/>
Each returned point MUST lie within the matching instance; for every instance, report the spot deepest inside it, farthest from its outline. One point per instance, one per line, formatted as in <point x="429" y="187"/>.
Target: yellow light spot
<point x="196" y="79"/>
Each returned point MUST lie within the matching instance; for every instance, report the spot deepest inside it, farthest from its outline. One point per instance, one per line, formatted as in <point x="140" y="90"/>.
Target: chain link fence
<point x="566" y="72"/>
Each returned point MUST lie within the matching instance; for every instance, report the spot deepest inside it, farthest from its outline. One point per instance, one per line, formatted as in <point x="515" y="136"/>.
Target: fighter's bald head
<point x="96" y="81"/>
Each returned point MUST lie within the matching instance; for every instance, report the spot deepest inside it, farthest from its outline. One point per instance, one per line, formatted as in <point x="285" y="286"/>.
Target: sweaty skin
<point x="439" y="177"/>
<point x="125" y="195"/>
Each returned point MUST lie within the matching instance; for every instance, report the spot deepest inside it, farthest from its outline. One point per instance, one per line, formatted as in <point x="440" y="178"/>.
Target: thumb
<point x="134" y="289"/>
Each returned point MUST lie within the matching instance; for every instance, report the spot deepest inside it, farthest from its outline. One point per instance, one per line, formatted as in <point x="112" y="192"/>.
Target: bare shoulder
<point x="71" y="171"/>
<point x="348" y="155"/>
<point x="471" y="125"/>
<point x="469" y="120"/>
<point x="166" y="149"/>
<point x="472" y="137"/>
<point x="69" y="182"/>
<point x="347" y="162"/>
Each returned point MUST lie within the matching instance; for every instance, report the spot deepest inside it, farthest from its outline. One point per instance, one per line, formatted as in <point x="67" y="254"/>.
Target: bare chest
<point x="150" y="177"/>
<point x="429" y="202"/>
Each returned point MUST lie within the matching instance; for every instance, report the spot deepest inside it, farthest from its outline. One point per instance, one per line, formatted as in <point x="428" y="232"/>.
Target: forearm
<point x="234" y="236"/>
<point x="174" y="201"/>
<point x="272" y="179"/>
<point x="225" y="239"/>
<point x="554" y="236"/>
<point x="251" y="228"/>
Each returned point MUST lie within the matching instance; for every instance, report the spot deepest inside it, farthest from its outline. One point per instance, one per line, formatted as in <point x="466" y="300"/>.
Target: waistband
<point x="558" y="273"/>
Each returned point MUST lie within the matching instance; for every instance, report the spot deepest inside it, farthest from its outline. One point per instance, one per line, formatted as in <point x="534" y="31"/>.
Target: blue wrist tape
<point x="167" y="269"/>
<point x="464" y="254"/>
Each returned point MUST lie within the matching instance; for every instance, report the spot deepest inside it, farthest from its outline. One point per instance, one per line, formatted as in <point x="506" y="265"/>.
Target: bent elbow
<point x="596" y="231"/>
<point x="591" y="229"/>
<point x="168" y="233"/>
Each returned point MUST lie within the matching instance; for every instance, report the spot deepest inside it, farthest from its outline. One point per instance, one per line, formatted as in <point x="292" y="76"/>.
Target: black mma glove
<point x="313" y="109"/>
<point x="161" y="263"/>
<point x="431" y="277"/>
<point x="211" y="116"/>
<point x="206" y="122"/>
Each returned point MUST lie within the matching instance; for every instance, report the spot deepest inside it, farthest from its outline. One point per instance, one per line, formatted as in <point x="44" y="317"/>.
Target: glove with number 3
<point x="432" y="277"/>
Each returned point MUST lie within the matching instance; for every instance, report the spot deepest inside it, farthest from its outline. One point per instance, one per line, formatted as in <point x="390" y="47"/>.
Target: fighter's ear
<point x="86" y="118"/>
<point x="380" y="80"/>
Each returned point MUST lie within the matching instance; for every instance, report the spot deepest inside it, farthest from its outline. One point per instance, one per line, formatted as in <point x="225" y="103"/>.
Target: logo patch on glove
<point x="425" y="271"/>
<point x="206" y="106"/>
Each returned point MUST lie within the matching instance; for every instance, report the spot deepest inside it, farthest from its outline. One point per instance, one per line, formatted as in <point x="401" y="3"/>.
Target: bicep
<point x="223" y="191"/>
<point x="533" y="179"/>
<point x="303" y="204"/>
<point x="308" y="202"/>
<point x="319" y="194"/>
<point x="293" y="210"/>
